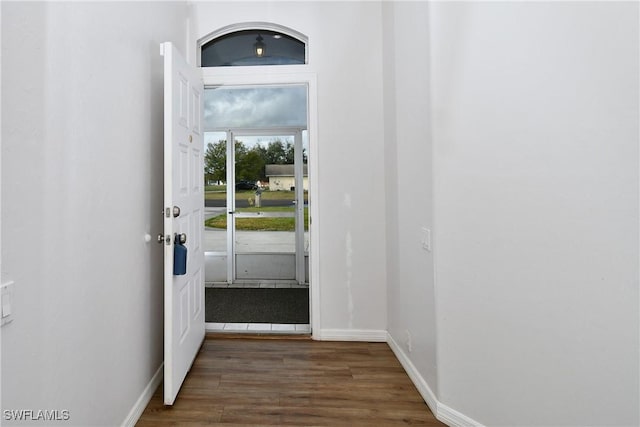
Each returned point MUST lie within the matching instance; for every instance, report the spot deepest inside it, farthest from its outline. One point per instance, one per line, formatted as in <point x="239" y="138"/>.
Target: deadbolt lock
<point x="163" y="238"/>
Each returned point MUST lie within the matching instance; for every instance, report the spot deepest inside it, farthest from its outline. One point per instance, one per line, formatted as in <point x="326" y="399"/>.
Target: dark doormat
<point x="257" y="305"/>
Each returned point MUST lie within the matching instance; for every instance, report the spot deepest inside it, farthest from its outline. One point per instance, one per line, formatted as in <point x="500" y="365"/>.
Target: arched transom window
<point x="246" y="47"/>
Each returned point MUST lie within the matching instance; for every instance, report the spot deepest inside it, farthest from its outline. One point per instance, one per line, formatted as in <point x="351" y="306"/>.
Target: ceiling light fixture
<point x="259" y="47"/>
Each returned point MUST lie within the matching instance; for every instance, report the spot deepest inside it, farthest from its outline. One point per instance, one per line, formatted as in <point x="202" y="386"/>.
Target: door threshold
<point x="258" y="328"/>
<point x="278" y="284"/>
<point x="256" y="336"/>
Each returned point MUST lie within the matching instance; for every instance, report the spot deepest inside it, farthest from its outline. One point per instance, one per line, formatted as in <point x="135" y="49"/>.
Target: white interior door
<point x="183" y="215"/>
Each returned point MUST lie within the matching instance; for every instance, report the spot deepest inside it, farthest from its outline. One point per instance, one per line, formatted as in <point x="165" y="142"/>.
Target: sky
<point x="254" y="107"/>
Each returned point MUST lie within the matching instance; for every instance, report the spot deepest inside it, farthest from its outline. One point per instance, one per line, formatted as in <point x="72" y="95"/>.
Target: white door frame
<point x="282" y="75"/>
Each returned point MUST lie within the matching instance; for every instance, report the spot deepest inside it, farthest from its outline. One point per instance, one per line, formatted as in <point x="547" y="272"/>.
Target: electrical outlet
<point x="6" y="302"/>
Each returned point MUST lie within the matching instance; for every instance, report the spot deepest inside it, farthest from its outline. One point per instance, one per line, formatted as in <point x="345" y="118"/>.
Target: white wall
<point x="344" y="43"/>
<point x="410" y="276"/>
<point x="536" y="194"/>
<point x="81" y="185"/>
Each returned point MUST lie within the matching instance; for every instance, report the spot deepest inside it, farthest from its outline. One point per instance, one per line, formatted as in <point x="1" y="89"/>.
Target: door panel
<point x="183" y="188"/>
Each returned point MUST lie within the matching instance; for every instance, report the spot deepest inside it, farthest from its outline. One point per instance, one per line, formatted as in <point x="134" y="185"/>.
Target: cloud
<point x="255" y="107"/>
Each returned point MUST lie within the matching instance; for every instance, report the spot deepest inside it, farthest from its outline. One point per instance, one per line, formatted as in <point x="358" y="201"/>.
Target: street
<point x="243" y="203"/>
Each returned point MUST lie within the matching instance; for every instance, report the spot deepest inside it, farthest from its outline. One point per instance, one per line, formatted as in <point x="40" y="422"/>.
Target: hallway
<point x="239" y="381"/>
<point x="474" y="203"/>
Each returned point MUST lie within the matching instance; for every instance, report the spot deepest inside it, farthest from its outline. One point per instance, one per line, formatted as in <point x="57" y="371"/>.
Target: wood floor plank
<point x="240" y="382"/>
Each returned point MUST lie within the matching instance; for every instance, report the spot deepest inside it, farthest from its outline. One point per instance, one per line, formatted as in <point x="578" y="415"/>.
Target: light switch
<point x="6" y="294"/>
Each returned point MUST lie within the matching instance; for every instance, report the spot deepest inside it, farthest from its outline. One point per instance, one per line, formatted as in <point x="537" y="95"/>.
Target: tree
<point x="250" y="167"/>
<point x="289" y="153"/>
<point x="250" y="163"/>
<point x="281" y="153"/>
<point x="261" y="151"/>
<point x="276" y="153"/>
<point x="215" y="161"/>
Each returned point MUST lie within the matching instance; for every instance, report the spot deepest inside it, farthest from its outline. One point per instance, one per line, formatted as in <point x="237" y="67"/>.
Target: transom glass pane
<point x="252" y="47"/>
<point x="228" y="107"/>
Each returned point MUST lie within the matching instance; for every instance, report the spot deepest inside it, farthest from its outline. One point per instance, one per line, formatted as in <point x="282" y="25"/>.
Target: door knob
<point x="176" y="211"/>
<point x="181" y="238"/>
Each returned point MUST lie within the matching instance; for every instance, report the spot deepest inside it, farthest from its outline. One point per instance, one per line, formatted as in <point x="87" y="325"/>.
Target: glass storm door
<point x="256" y="185"/>
<point x="266" y="190"/>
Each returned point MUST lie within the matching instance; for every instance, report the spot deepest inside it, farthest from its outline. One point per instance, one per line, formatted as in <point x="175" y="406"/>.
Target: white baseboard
<point x="423" y="388"/>
<point x="453" y="418"/>
<point x="441" y="411"/>
<point x="145" y="397"/>
<point x="369" y="335"/>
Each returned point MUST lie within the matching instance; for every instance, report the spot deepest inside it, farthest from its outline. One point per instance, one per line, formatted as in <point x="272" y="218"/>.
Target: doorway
<point x="257" y="205"/>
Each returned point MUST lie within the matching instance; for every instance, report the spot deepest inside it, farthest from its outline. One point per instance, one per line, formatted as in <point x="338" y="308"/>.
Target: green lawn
<point x="246" y="194"/>
<point x="260" y="224"/>
<point x="215" y="188"/>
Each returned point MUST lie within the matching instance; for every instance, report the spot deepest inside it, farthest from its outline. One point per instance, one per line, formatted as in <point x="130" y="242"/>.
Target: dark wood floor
<point x="239" y="381"/>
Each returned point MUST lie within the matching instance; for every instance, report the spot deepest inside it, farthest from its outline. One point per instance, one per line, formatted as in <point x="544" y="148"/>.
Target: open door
<point x="183" y="218"/>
